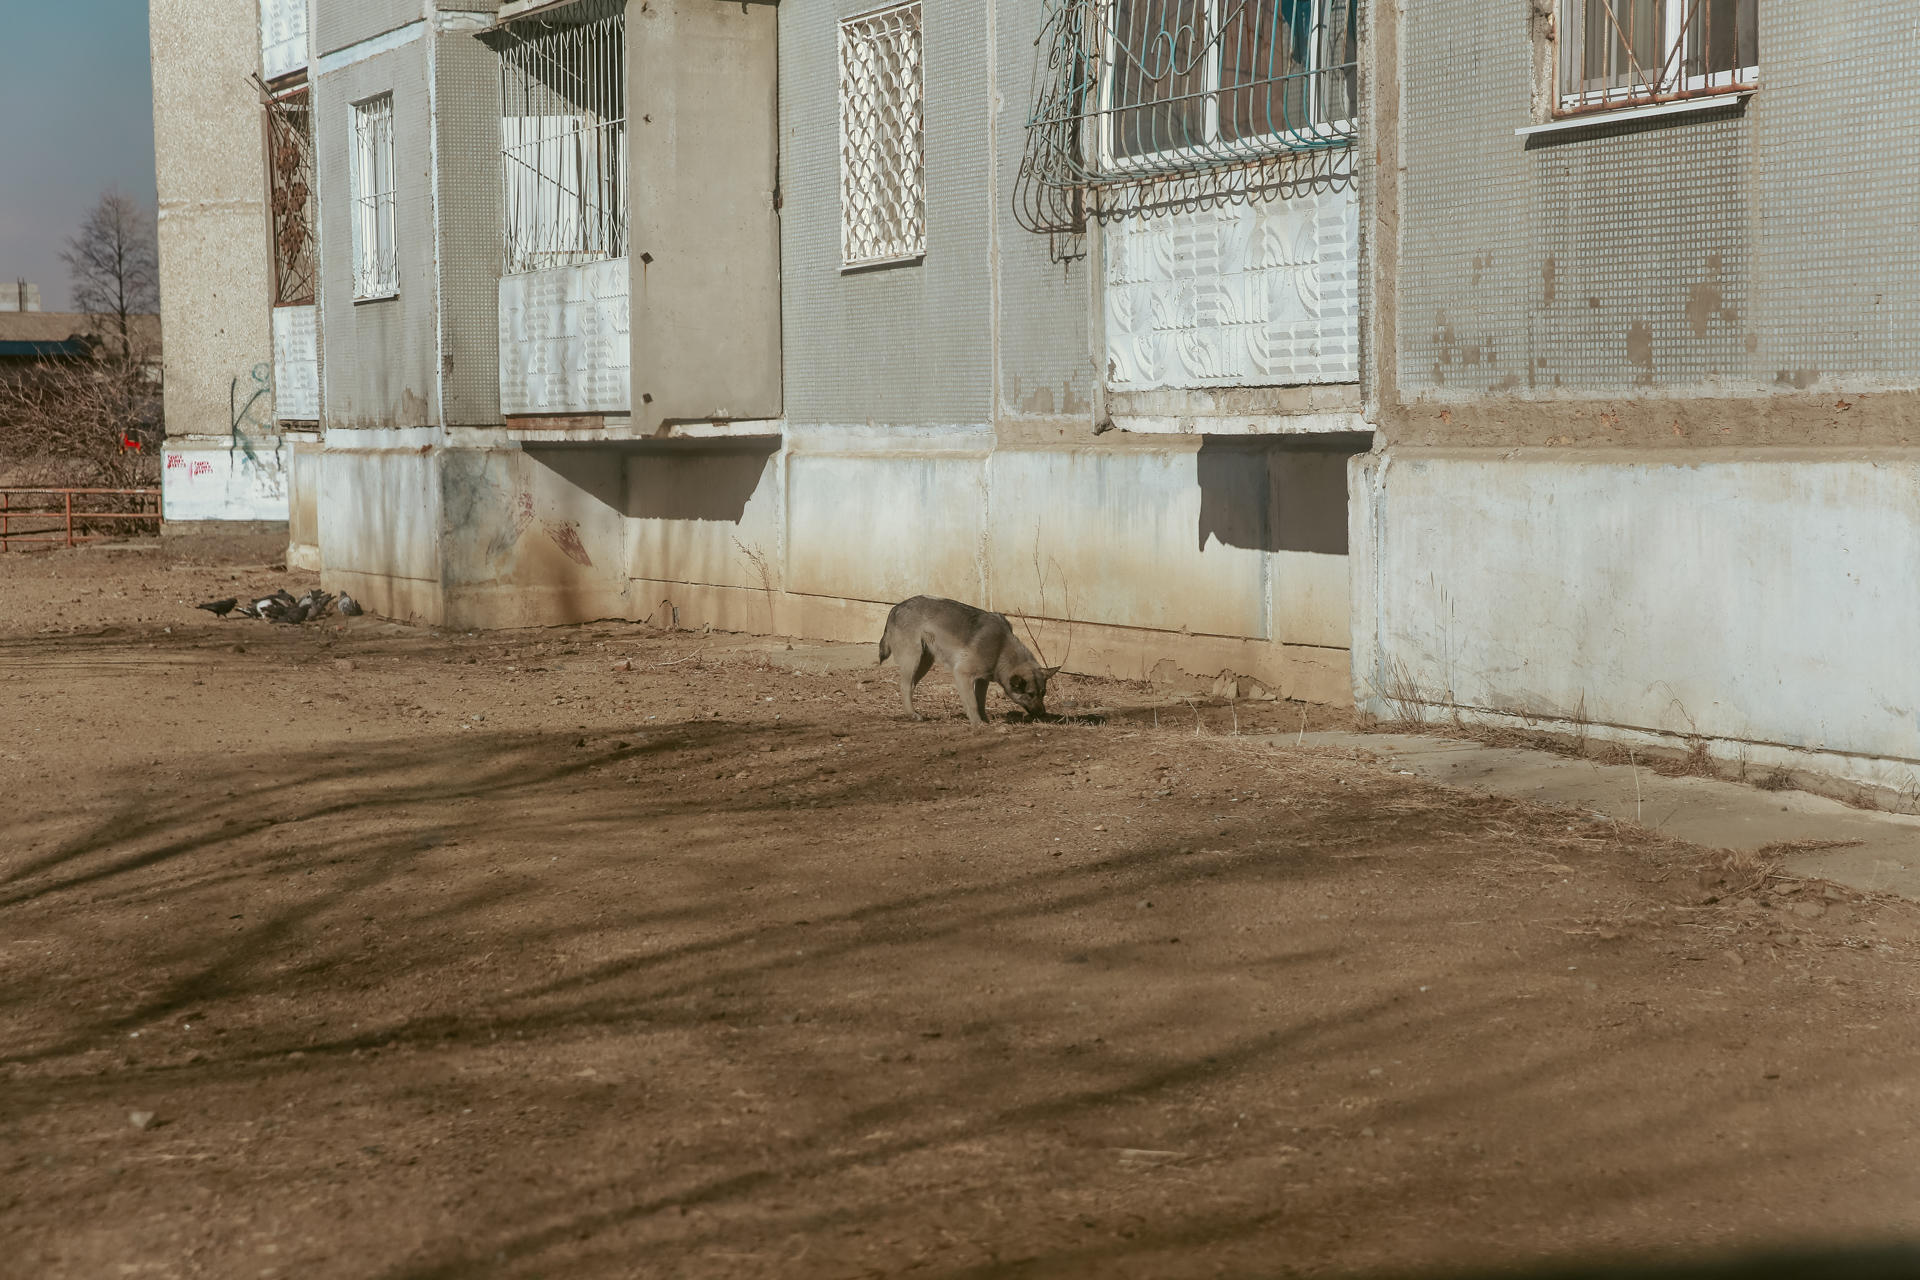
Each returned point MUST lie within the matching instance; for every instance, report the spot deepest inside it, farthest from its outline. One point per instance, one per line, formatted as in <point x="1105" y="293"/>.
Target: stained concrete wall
<point x="1757" y="600"/>
<point x="938" y="436"/>
<point x="215" y="269"/>
<point x="1648" y="393"/>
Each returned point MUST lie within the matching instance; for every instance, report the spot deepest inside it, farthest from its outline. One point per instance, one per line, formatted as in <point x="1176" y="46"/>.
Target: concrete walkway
<point x="1882" y="853"/>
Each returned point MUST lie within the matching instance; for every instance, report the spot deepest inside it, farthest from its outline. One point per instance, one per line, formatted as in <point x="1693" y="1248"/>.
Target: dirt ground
<point x="355" y="950"/>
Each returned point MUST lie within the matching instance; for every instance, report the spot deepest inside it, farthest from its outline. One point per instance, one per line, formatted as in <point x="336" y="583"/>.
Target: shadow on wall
<point x="665" y="479"/>
<point x="1268" y="493"/>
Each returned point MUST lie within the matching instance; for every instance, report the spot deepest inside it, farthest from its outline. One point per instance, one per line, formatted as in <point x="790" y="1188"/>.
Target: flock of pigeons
<point x="283" y="607"/>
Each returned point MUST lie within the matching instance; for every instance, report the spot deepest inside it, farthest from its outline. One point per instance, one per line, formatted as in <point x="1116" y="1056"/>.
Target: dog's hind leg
<point x="911" y="676"/>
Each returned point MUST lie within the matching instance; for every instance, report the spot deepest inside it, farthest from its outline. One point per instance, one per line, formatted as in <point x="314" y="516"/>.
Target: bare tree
<point x="113" y="266"/>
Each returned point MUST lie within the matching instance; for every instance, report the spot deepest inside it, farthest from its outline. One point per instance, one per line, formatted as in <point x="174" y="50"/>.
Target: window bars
<point x="290" y="185"/>
<point x="376" y="271"/>
<point x="882" y="181"/>
<point x="1136" y="91"/>
<point x="563" y="134"/>
<point x="1617" y="53"/>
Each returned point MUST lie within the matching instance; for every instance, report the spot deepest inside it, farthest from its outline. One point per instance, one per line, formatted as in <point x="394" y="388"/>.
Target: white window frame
<point x="376" y="266"/>
<point x="1250" y="147"/>
<point x="1671" y="80"/>
<point x="908" y="239"/>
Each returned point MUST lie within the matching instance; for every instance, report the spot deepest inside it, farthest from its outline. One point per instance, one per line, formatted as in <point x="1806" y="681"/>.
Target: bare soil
<point x="359" y="950"/>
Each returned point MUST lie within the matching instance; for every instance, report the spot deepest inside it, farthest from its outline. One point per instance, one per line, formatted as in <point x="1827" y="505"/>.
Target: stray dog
<point x="977" y="646"/>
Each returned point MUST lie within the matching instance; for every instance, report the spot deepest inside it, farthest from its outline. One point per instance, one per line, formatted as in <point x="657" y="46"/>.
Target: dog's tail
<point x="886" y="650"/>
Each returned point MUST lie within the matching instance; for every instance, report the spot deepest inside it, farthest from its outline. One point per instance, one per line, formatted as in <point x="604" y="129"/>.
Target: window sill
<point x="1632" y="115"/>
<point x="377" y="297"/>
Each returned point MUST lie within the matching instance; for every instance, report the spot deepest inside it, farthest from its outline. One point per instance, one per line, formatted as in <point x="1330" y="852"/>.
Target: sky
<point x="76" y="117"/>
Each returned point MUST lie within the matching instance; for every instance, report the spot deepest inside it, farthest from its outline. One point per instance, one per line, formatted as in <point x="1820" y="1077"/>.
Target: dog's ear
<point x="1049" y="672"/>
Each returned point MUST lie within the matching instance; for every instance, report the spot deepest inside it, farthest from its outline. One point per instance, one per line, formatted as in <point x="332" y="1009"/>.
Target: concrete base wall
<point x="1155" y="557"/>
<point x="217" y="478"/>
<point x="1760" y="603"/>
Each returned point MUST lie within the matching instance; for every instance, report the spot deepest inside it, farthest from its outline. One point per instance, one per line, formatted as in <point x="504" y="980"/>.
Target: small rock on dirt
<point x="140" y="1119"/>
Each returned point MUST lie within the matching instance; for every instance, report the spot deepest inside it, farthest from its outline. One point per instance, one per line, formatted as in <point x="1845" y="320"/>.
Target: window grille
<point x="376" y="271"/>
<point x="882" y="181"/>
<point x="1134" y="92"/>
<point x="563" y="134"/>
<point x="1617" y="53"/>
<point x="290" y="181"/>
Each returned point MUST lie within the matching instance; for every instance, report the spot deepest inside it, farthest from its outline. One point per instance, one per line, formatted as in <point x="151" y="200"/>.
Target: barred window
<point x="290" y="183"/>
<point x="563" y="134"/>
<point x="882" y="183"/>
<point x="1207" y="80"/>
<point x="375" y="263"/>
<point x="1616" y="53"/>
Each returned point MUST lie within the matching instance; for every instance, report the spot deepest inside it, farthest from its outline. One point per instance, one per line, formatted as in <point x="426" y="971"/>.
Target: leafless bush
<point x="90" y="421"/>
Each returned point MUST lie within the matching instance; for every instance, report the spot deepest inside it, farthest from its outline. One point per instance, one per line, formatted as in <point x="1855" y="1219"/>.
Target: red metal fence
<point x="67" y="517"/>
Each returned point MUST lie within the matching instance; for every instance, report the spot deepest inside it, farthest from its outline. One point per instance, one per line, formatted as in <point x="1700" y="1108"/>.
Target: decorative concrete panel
<point x="564" y="345"/>
<point x="283" y="37"/>
<point x="1259" y="294"/>
<point x="296" y="365"/>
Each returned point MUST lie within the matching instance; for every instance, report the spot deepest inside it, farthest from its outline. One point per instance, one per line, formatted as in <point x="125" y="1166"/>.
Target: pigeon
<point x="219" y="608"/>
<point x="247" y="611"/>
<point x="316" y="602"/>
<point x="293" y="616"/>
<point x="348" y="605"/>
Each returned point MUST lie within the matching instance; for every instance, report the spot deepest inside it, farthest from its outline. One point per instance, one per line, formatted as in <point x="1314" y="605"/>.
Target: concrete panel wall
<point x="1753" y="597"/>
<point x="1118" y="532"/>
<point x="382" y="515"/>
<point x="1628" y="284"/>
<point x="887" y="525"/>
<point x="215" y="271"/>
<point x="703" y="129"/>
<point x="383" y="358"/>
<point x="1044" y="363"/>
<point x="303" y="501"/>
<point x="340" y="23"/>
<point x="467" y="214"/>
<point x="907" y="344"/>
<point x="708" y="513"/>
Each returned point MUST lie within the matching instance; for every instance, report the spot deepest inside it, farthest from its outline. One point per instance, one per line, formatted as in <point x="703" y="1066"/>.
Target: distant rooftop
<point x="56" y="333"/>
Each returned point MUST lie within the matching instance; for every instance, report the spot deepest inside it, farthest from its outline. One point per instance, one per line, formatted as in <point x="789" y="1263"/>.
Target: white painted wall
<point x="215" y="480"/>
<point x="1259" y="294"/>
<point x="565" y="340"/>
<point x="1765" y="602"/>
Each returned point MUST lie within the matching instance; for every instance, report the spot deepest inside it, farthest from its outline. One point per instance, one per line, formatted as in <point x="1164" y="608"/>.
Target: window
<point x="375" y="265"/>
<point x="563" y="137"/>
<point x="290" y="184"/>
<point x="1616" y="53"/>
<point x="882" y="188"/>
<point x="1202" y="81"/>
